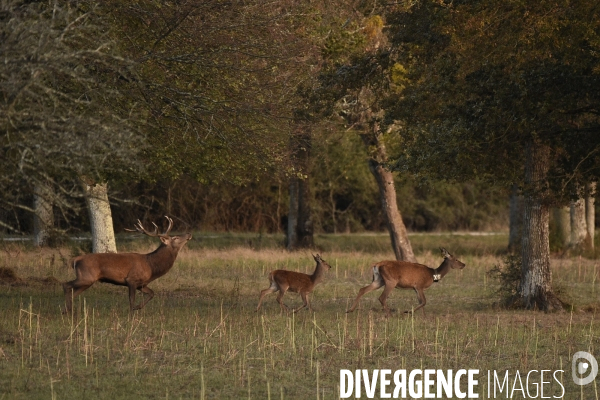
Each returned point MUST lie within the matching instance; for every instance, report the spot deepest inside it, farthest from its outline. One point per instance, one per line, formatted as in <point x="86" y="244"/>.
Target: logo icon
<point x="584" y="362"/>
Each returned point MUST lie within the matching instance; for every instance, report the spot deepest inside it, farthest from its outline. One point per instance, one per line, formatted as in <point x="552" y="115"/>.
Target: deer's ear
<point x="165" y="239"/>
<point x="445" y="253"/>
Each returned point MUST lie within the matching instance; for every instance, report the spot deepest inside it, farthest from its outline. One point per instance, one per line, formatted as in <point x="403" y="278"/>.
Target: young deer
<point x="133" y="270"/>
<point x="407" y="275"/>
<point x="282" y="281"/>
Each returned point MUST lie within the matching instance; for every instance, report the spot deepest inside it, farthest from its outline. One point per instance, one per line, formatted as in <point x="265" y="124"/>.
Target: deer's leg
<point x="282" y="290"/>
<point x="376" y="284"/>
<point x="271" y="289"/>
<point x="72" y="289"/>
<point x="132" y="288"/>
<point x="149" y="292"/>
<point x="304" y="301"/>
<point x="422" y="300"/>
<point x="389" y="286"/>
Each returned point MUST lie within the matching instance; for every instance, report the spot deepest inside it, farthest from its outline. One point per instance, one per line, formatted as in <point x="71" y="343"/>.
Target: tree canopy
<point x="488" y="76"/>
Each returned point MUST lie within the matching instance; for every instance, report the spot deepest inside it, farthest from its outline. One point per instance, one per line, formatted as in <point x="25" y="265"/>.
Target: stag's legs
<point x="132" y="288"/>
<point x="72" y="289"/>
<point x="376" y="284"/>
<point x="149" y="292"/>
<point x="422" y="301"/>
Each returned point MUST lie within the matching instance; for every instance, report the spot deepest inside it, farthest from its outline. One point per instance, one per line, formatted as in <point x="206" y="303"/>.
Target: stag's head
<point x="454" y="263"/>
<point x="173" y="242"/>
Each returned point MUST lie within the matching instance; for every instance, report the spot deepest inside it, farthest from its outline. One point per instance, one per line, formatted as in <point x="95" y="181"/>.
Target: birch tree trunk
<point x="578" y="224"/>
<point x="590" y="213"/>
<point x="387" y="193"/>
<point x="103" y="234"/>
<point x="515" y="220"/>
<point x="535" y="290"/>
<point x="43" y="218"/>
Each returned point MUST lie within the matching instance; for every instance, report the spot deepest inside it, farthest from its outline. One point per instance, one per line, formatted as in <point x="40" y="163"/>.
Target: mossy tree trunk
<point x="535" y="290"/>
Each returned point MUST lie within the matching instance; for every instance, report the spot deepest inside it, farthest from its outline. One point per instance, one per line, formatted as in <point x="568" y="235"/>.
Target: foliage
<point x="62" y="114"/>
<point x="344" y="198"/>
<point x="217" y="80"/>
<point x="508" y="275"/>
<point x="487" y="77"/>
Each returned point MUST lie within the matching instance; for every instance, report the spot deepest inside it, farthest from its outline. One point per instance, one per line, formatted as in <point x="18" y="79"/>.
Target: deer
<point x="133" y="270"/>
<point x="406" y="275"/>
<point x="282" y="281"/>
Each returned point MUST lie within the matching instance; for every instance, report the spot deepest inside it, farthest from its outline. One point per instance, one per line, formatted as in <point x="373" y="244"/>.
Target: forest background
<point x="246" y="116"/>
<point x="116" y="60"/>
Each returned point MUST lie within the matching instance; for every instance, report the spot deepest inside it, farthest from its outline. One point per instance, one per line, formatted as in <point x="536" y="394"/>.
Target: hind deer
<point x="407" y="275"/>
<point x="133" y="270"/>
<point x="282" y="281"/>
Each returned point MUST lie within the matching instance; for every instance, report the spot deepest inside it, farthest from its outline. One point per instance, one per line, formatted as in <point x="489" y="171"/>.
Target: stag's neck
<point x="318" y="275"/>
<point x="161" y="260"/>
<point x="443" y="269"/>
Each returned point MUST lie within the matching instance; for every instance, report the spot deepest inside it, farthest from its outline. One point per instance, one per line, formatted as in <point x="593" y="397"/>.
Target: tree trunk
<point x="387" y="193"/>
<point x="103" y="234"/>
<point x="535" y="290"/>
<point x="292" y="222"/>
<point x="300" y="224"/>
<point x="305" y="225"/>
<point x="516" y="220"/>
<point x="43" y="219"/>
<point x="562" y="221"/>
<point x="590" y="213"/>
<point x="578" y="224"/>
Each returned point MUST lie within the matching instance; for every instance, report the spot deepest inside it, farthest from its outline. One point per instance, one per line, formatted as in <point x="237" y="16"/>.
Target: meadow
<point x="201" y="338"/>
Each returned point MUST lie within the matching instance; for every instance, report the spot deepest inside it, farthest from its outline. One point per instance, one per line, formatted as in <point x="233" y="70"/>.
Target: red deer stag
<point x="282" y="281"/>
<point x="406" y="275"/>
<point x="133" y="270"/>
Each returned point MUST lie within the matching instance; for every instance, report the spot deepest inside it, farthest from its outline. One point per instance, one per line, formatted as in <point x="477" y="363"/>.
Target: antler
<point x="140" y="228"/>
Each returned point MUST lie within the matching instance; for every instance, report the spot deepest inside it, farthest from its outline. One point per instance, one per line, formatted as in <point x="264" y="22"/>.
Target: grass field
<point x="201" y="338"/>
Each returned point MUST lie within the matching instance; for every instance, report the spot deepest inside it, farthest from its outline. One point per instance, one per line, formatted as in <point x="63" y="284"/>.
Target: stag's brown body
<point x="297" y="282"/>
<point x="133" y="270"/>
<point x="406" y="275"/>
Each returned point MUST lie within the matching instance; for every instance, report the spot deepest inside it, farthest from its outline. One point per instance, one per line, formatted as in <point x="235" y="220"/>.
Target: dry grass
<point x="200" y="337"/>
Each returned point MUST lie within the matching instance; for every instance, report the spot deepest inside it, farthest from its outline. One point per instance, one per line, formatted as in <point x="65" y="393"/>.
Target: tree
<point x="62" y="115"/>
<point x="358" y="83"/>
<point x="300" y="225"/>
<point x="43" y="217"/>
<point x="230" y="77"/>
<point x="213" y="80"/>
<point x="103" y="234"/>
<point x="505" y="91"/>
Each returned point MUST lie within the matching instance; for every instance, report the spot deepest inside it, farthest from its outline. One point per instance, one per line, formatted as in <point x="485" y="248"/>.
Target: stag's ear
<point x="445" y="253"/>
<point x="165" y="239"/>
